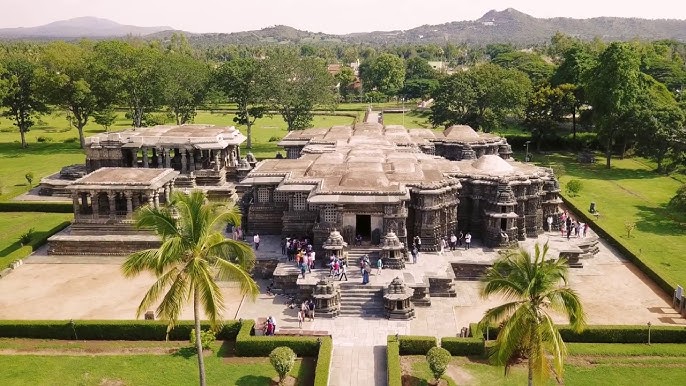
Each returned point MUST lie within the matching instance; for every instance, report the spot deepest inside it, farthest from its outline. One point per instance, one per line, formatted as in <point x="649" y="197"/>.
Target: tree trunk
<point x="198" y="340"/>
<point x="574" y="121"/>
<point x="249" y="130"/>
<point x="23" y="138"/>
<point x="531" y="373"/>
<point x="608" y="152"/>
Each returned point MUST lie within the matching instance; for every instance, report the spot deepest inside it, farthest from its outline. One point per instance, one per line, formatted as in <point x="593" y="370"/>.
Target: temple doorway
<point x="363" y="226"/>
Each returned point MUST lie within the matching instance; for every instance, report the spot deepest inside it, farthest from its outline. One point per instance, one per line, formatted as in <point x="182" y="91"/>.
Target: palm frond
<point x="229" y="271"/>
<point x="208" y="291"/>
<point x="155" y="291"/>
<point x="159" y="219"/>
<point x="566" y="301"/>
<point x="140" y="261"/>
<point x="176" y="297"/>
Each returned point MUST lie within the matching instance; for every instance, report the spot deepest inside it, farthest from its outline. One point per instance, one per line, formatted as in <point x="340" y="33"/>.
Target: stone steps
<point x="361" y="300"/>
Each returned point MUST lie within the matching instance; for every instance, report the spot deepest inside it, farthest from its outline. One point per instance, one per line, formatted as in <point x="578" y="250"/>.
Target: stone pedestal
<point x="442" y="285"/>
<point x="397" y="300"/>
<point x="327" y="299"/>
<point x="334" y="245"/>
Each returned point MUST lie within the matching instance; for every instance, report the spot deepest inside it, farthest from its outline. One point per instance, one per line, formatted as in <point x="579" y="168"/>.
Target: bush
<point x="573" y="187"/>
<point x="678" y="202"/>
<point x="44" y="139"/>
<point x="26" y="237"/>
<point x="463" y="346"/>
<point x="207" y="337"/>
<point x="29" y="178"/>
<point x="47" y="207"/>
<point x="612" y="334"/>
<point x="106" y="329"/>
<point x="274" y="139"/>
<point x="282" y="359"/>
<point x="321" y="372"/>
<point x="71" y="140"/>
<point x="438" y="359"/>
<point x="393" y="362"/>
<point x="416" y="345"/>
<point x="248" y="345"/>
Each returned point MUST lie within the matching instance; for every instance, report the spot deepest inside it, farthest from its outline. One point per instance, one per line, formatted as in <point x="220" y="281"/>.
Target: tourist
<point x="303" y="268"/>
<point x="309" y="257"/>
<point x="568" y="225"/>
<point x="379" y="266"/>
<point x="583" y="229"/>
<point x="344" y="271"/>
<point x="414" y="253"/>
<point x="365" y="272"/>
<point x="301" y="317"/>
<point x="453" y="241"/>
<point x="460" y="237"/>
<point x="256" y="241"/>
<point x="270" y="326"/>
<point x="418" y="242"/>
<point x="336" y="267"/>
<point x="467" y="240"/>
<point x="443" y="245"/>
<point x="310" y="306"/>
<point x="284" y="241"/>
<point x="549" y="220"/>
<point x="563" y="222"/>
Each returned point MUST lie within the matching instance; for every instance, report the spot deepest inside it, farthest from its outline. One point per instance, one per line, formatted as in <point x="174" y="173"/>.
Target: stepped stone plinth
<point x="327" y="299"/>
<point x="393" y="252"/>
<point x="397" y="300"/>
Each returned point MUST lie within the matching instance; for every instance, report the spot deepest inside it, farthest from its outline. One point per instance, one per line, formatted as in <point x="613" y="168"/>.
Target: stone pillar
<point x="129" y="203"/>
<point x="84" y="200"/>
<point x="112" y="197"/>
<point x="216" y="161"/>
<point x="191" y="156"/>
<point x="232" y="158"/>
<point x="156" y="198"/>
<point x="160" y="163"/>
<point x="145" y="157"/>
<point x="134" y="158"/>
<point x="167" y="191"/>
<point x="136" y="200"/>
<point x="75" y="200"/>
<point x="150" y="198"/>
<point x="95" y="203"/>
<point x="167" y="159"/>
<point x="184" y="162"/>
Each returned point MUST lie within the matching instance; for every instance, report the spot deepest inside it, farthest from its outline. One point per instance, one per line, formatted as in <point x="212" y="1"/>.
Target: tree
<point x="384" y="73"/>
<point x="193" y="254"/>
<point x="185" y="84"/>
<point x="67" y="77"/>
<point x="533" y="286"/>
<point x="481" y="97"/>
<point x="105" y="118"/>
<point x="418" y="68"/>
<point x="613" y="90"/>
<point x="282" y="359"/>
<point x="239" y="80"/>
<point x="546" y="108"/>
<point x="576" y="63"/>
<point x="345" y="82"/>
<point x="532" y="64"/>
<point x="129" y="72"/>
<point x="24" y="97"/>
<point x="294" y="85"/>
<point x="438" y="359"/>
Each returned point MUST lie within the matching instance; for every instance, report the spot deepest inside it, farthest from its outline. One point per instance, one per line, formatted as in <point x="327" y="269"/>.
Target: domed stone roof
<point x="492" y="164"/>
<point x="461" y="132"/>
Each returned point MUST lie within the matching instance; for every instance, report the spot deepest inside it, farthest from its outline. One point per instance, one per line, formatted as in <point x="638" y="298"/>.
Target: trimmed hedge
<point x="555" y="142"/>
<point x="107" y="329"/>
<point x="393" y="369"/>
<point x="659" y="280"/>
<point x="249" y="345"/>
<point x="321" y="372"/>
<point x="463" y="346"/>
<point x="612" y="334"/>
<point x="29" y="206"/>
<point x="35" y="243"/>
<point x="416" y="345"/>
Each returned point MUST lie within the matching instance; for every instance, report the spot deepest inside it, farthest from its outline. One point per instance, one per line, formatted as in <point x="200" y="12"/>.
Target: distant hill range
<point x="508" y="26"/>
<point x="80" y="27"/>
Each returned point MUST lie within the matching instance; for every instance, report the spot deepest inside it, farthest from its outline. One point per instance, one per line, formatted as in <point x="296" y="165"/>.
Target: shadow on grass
<point x="597" y="171"/>
<point x="227" y="349"/>
<point x="253" y="380"/>
<point x="659" y="221"/>
<point x="185" y="352"/>
<point x="306" y="372"/>
<point x="13" y="150"/>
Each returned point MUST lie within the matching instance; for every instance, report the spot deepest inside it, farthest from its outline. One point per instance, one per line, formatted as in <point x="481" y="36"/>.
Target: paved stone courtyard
<point x="613" y="291"/>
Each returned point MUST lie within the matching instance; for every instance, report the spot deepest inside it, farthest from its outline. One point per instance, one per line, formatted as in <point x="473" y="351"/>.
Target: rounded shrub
<point x="282" y="359"/>
<point x="207" y="337"/>
<point x="438" y="359"/>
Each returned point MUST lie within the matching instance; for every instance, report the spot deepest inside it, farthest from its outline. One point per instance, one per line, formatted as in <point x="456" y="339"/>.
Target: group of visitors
<point x="269" y="327"/>
<point x="455" y="241"/>
<point x="306" y="311"/>
<point x="235" y="231"/>
<point x="571" y="227"/>
<point x="338" y="268"/>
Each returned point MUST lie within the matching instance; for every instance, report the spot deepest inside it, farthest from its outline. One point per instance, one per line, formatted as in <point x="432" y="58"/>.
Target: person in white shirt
<point x="256" y="240"/>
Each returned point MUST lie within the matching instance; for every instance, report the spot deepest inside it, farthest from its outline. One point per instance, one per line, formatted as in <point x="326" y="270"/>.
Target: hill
<point x="80" y="27"/>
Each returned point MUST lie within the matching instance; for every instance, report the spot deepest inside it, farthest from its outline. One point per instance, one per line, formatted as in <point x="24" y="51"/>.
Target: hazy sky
<point x="341" y="16"/>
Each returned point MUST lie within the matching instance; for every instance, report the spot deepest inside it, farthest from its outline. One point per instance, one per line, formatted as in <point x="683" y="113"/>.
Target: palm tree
<point x="534" y="286"/>
<point x="193" y="255"/>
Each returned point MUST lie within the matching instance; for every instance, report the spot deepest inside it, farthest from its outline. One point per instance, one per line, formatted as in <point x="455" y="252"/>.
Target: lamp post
<point x="403" y="100"/>
<point x="649" y="324"/>
<point x="526" y="156"/>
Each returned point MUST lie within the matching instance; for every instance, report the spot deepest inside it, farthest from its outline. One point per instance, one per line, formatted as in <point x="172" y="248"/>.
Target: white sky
<point x="340" y="16"/>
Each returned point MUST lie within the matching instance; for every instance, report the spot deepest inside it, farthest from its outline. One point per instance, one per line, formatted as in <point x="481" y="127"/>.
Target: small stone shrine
<point x="397" y="300"/>
<point x="327" y="299"/>
<point x="334" y="245"/>
<point x="393" y="252"/>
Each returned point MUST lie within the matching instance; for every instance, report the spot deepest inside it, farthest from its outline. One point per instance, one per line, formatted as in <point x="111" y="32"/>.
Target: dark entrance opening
<point x="363" y="226"/>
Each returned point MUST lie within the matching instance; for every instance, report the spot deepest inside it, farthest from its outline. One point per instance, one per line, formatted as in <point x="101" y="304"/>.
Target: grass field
<point x="632" y="192"/>
<point x="12" y="225"/>
<point x="612" y="364"/>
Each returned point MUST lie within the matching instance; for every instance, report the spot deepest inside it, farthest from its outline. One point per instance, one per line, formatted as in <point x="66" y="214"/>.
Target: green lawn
<point x="632" y="192"/>
<point x="12" y="225"/>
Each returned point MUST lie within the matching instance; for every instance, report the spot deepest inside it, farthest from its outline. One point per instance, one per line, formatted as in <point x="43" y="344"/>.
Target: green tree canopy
<point x="194" y="254"/>
<point x="533" y="286"/>
<point x="384" y="73"/>
<point x="185" y="82"/>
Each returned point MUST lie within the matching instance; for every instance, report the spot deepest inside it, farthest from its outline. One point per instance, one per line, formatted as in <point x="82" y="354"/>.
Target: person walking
<point x="379" y="266"/>
<point x="365" y="272"/>
<point x="256" y="241"/>
<point x="301" y="318"/>
<point x="414" y="253"/>
<point x="344" y="271"/>
<point x="569" y="226"/>
<point x="443" y="245"/>
<point x="549" y="220"/>
<point x="460" y="237"/>
<point x="453" y="241"/>
<point x="467" y="240"/>
<point x="283" y="245"/>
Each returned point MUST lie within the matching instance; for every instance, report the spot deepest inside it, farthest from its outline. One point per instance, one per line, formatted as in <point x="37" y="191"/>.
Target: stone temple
<point x="371" y="180"/>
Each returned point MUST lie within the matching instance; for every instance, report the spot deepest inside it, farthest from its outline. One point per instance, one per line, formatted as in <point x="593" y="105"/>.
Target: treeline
<point x="629" y="93"/>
